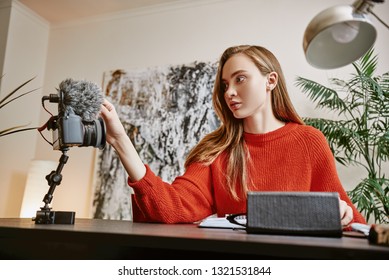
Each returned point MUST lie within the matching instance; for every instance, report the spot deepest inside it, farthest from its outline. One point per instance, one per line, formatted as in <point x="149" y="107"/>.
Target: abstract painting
<point x="165" y="111"/>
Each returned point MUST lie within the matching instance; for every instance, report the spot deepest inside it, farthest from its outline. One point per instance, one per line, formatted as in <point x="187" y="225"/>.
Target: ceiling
<point x="59" y="11"/>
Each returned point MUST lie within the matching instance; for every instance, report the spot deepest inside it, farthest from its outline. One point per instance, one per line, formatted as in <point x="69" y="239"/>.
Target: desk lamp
<point x="340" y="35"/>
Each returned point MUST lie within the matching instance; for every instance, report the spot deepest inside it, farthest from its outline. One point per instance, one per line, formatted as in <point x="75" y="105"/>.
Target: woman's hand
<point x="346" y="213"/>
<point x="117" y="137"/>
<point x="114" y="127"/>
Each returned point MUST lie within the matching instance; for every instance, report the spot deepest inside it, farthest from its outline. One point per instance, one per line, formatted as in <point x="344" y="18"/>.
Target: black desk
<point x="105" y="239"/>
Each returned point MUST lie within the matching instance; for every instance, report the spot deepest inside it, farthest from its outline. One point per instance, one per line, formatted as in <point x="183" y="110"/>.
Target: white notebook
<point x="221" y="222"/>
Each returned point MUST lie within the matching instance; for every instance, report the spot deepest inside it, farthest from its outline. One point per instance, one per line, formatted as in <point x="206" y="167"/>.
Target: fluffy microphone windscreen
<point x="85" y="98"/>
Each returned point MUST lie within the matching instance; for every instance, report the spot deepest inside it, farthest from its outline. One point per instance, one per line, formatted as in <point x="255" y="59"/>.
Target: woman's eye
<point x="225" y="86"/>
<point x="240" y="79"/>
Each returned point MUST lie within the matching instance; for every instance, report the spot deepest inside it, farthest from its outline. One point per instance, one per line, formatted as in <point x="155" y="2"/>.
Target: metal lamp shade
<point x="338" y="36"/>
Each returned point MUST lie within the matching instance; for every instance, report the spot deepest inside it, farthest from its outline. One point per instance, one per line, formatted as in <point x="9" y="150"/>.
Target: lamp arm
<point x="380" y="20"/>
<point x="361" y="6"/>
<point x="365" y="6"/>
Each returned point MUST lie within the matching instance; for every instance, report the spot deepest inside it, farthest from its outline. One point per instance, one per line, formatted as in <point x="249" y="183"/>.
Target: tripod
<point x="45" y="215"/>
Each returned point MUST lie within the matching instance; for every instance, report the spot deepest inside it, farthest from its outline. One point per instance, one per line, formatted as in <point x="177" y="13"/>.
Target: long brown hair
<point x="229" y="136"/>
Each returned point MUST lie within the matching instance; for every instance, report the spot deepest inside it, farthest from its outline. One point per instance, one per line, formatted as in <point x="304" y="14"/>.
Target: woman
<point x="261" y="145"/>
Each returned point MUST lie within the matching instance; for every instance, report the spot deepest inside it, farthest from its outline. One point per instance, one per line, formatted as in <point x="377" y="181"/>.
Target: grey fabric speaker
<point x="294" y="213"/>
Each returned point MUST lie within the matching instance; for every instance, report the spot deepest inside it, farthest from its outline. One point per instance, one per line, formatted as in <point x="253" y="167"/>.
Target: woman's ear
<point x="272" y="80"/>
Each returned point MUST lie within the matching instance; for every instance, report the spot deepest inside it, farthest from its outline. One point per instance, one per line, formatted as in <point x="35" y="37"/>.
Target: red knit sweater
<point x="292" y="158"/>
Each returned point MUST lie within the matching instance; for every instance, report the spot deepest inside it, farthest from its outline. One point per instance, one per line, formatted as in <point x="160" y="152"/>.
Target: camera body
<point x="69" y="129"/>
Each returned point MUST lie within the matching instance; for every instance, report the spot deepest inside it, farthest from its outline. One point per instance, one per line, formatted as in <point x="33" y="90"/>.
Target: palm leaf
<point x="2" y="101"/>
<point x="367" y="64"/>
<point x="15" y="129"/>
<point x="324" y="96"/>
<point x="6" y="100"/>
<point x="9" y="101"/>
<point x="372" y="190"/>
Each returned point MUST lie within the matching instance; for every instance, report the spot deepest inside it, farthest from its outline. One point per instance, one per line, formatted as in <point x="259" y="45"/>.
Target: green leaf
<point x="324" y="96"/>
<point x="9" y="101"/>
<point x="15" y="130"/>
<point x="6" y="100"/>
<point x="14" y="91"/>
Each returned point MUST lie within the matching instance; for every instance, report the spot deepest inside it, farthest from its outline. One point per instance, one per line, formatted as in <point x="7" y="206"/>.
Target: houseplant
<point x="8" y="99"/>
<point x="360" y="133"/>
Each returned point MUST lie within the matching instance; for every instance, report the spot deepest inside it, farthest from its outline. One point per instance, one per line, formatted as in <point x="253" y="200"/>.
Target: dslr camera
<point x="69" y="128"/>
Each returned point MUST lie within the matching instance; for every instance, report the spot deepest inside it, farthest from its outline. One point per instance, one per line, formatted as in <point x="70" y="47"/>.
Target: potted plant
<point x="360" y="134"/>
<point x="8" y="99"/>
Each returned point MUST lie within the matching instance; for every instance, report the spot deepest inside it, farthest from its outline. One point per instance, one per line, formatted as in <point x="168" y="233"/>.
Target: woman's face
<point x="245" y="87"/>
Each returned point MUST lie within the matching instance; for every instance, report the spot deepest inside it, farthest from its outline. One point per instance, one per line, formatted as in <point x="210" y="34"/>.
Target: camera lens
<point x="94" y="134"/>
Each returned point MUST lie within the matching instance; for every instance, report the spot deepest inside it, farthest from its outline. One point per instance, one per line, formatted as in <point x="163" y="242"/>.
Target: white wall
<point x="5" y="14"/>
<point x="24" y="57"/>
<point x="174" y="34"/>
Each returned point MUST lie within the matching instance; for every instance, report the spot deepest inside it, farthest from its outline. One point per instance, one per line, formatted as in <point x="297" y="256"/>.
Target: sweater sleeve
<point x="188" y="199"/>
<point x="324" y="174"/>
